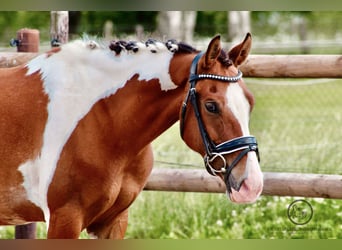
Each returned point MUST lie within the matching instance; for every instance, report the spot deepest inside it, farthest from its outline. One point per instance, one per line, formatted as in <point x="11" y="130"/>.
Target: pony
<point x="77" y="122"/>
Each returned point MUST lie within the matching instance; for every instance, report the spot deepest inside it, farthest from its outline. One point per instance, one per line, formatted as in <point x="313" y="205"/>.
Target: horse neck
<point x="141" y="112"/>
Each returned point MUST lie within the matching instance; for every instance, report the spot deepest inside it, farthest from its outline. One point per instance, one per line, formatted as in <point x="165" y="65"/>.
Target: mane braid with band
<point x="172" y="45"/>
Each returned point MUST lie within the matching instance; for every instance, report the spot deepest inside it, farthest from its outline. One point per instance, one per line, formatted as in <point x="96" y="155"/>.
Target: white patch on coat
<point x="239" y="105"/>
<point x="75" y="78"/>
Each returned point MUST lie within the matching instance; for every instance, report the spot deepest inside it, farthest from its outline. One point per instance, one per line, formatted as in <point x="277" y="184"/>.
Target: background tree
<point x="178" y="25"/>
<point x="239" y="23"/>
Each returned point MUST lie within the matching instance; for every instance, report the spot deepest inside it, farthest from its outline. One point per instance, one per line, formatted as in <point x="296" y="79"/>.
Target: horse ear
<point x="213" y="51"/>
<point x="239" y="53"/>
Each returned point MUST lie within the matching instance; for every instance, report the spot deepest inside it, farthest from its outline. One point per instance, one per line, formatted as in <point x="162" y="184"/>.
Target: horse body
<point x="76" y="125"/>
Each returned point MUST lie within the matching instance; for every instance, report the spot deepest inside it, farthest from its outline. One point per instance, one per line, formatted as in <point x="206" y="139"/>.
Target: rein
<point x="245" y="144"/>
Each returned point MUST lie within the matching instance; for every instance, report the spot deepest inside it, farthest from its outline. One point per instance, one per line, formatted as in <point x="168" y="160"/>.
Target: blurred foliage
<point x="124" y="21"/>
<point x="211" y="22"/>
<point x="319" y="25"/>
<point x="11" y="21"/>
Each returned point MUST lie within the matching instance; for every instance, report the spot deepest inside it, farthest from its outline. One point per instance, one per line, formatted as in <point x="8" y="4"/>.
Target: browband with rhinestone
<point x="195" y="77"/>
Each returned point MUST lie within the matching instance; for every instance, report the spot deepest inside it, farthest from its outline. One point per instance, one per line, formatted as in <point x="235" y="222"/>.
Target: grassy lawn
<point x="210" y="216"/>
<point x="297" y="125"/>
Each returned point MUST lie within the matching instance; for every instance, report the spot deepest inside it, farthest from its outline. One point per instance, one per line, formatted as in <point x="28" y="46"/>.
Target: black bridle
<point x="244" y="144"/>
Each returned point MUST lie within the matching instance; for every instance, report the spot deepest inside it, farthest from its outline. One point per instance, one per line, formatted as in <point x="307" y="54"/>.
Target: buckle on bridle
<point x="209" y="159"/>
<point x="245" y="144"/>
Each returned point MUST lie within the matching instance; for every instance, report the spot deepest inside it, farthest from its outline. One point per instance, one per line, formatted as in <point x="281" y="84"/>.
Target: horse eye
<point x="212" y="107"/>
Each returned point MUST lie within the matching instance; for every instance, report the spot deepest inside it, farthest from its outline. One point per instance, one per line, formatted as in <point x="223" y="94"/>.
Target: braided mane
<point x="154" y="46"/>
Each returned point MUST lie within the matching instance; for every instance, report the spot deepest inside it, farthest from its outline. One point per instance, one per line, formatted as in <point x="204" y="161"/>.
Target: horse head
<point x="214" y="119"/>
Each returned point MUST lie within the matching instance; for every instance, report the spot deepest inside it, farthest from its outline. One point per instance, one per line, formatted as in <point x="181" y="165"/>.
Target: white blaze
<point x="252" y="186"/>
<point x="76" y="78"/>
<point x="239" y="105"/>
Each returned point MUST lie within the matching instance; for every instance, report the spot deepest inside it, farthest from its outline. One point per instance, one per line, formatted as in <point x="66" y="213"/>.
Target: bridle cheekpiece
<point x="245" y="144"/>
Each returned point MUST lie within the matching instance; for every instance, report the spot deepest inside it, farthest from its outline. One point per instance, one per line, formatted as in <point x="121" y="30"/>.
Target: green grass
<point x="298" y="129"/>
<point x="210" y="216"/>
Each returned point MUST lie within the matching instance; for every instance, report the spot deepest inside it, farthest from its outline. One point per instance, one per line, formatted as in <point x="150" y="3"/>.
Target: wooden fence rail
<point x="280" y="184"/>
<point x="294" y="66"/>
<point x="12" y="59"/>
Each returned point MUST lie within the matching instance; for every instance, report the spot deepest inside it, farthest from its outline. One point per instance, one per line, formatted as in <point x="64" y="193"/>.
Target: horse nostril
<point x="236" y="182"/>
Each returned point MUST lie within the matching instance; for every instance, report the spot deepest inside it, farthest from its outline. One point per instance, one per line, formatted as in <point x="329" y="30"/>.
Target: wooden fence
<point x="280" y="184"/>
<point x="294" y="66"/>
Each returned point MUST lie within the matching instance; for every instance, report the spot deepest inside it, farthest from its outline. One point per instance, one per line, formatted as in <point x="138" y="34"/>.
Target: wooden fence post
<point x="27" y="41"/>
<point x="26" y="231"/>
<point x="59" y="28"/>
